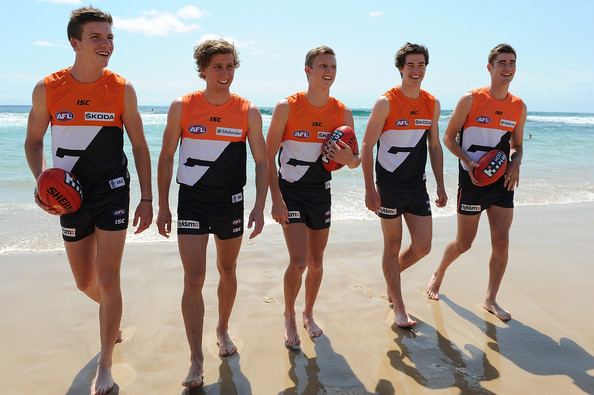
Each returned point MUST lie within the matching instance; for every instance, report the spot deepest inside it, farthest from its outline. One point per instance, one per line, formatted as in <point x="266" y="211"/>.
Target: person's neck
<point x="217" y="97"/>
<point x="317" y="97"/>
<point x="499" y="91"/>
<point x="84" y="74"/>
<point x="410" y="91"/>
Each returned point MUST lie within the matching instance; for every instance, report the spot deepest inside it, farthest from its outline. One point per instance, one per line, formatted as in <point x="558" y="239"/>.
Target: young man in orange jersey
<point x="211" y="127"/>
<point x="301" y="189"/>
<point x="93" y="151"/>
<point x="486" y="118"/>
<point x="405" y="122"/>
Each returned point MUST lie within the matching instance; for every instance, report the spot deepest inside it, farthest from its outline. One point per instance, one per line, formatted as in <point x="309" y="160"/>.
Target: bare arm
<point x="512" y="175"/>
<point x="39" y="119"/>
<point x="273" y="143"/>
<point x="456" y="122"/>
<point x="143" y="215"/>
<point x="258" y="149"/>
<point x="379" y="114"/>
<point x="436" y="157"/>
<point x="171" y="137"/>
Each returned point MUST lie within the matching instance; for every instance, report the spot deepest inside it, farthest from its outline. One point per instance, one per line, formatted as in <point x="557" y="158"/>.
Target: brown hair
<point x="312" y="53"/>
<point x="83" y="15"/>
<point x="410" y="49"/>
<point x="500" y="48"/>
<point x="204" y="52"/>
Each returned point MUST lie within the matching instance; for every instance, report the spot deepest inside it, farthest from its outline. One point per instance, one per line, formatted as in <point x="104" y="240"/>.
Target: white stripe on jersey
<point x="207" y="150"/>
<point x="300" y="150"/>
<point x="397" y="138"/>
<point x="479" y="136"/>
<point x="75" y="138"/>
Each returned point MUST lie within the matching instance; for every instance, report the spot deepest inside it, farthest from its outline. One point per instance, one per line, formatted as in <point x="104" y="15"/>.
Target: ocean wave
<point x="557" y="119"/>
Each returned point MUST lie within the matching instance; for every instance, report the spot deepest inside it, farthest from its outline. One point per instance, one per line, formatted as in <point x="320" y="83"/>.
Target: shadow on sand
<point x="81" y="384"/>
<point x="434" y="362"/>
<point x="232" y="381"/>
<point x="327" y="373"/>
<point x="533" y="351"/>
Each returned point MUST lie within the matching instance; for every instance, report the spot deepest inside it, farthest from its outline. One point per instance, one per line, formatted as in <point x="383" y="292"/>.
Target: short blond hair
<point x="204" y="52"/>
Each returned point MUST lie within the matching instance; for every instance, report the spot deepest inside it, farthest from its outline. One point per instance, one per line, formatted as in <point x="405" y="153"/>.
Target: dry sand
<point x="49" y="333"/>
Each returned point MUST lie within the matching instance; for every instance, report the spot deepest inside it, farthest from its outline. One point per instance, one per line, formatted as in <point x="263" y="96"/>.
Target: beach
<point x="49" y="336"/>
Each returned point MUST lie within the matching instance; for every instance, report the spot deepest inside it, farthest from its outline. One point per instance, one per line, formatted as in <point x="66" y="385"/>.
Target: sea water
<point x="557" y="168"/>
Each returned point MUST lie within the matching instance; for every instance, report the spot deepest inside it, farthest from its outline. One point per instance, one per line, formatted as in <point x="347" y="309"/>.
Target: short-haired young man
<point x="405" y="122"/>
<point x="486" y="118"/>
<point x="91" y="148"/>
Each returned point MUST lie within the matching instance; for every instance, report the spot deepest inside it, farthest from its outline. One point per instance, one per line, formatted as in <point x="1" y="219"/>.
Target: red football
<point x="491" y="166"/>
<point x="60" y="190"/>
<point x="347" y="135"/>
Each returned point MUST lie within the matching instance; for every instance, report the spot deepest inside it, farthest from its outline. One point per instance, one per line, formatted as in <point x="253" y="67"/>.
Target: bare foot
<point x="402" y="319"/>
<point x="497" y="311"/>
<point x="292" y="341"/>
<point x="432" y="291"/>
<point x="226" y="345"/>
<point x="195" y="376"/>
<point x="313" y="330"/>
<point x="103" y="382"/>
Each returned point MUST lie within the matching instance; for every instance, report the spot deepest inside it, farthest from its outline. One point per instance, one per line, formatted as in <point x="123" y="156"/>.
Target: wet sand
<point x="49" y="332"/>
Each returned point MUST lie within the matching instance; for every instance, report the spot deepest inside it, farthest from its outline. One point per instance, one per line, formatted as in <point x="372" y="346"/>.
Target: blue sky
<point x="155" y="39"/>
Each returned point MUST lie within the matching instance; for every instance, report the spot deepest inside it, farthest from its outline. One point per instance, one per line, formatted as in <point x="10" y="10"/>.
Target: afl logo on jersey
<point x="64" y="116"/>
<point x="402" y="122"/>
<point x="301" y="134"/>
<point x="197" y="129"/>
<point x="483" y="119"/>
<point x="99" y="116"/>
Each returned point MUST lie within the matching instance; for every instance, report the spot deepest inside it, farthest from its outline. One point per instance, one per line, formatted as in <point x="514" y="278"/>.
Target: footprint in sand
<point x="269" y="299"/>
<point x="128" y="333"/>
<point x="125" y="373"/>
<point x="369" y="294"/>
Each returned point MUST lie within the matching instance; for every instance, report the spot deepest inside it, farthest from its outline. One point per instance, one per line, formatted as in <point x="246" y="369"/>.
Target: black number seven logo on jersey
<point x="191" y="162"/>
<point x="297" y="162"/>
<point x="62" y="152"/>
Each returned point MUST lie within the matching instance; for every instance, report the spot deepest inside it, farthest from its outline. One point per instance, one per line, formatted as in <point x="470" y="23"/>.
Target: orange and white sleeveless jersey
<point x="212" y="153"/>
<point x="402" y="146"/>
<point x="307" y="128"/>
<point x="489" y="125"/>
<point x="87" y="130"/>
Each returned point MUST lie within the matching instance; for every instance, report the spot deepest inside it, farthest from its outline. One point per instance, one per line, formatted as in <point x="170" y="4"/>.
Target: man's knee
<point x="194" y="280"/>
<point x="85" y="284"/>
<point x="298" y="263"/>
<point x="392" y="247"/>
<point x="463" y="245"/>
<point x="500" y="244"/>
<point x="227" y="270"/>
<point x="421" y="249"/>
<point x="108" y="283"/>
<point x="316" y="262"/>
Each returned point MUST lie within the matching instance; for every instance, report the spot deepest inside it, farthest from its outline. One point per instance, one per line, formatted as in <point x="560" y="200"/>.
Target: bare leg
<point x="392" y="230"/>
<point x="420" y="228"/>
<point x="82" y="255"/>
<point x="192" y="250"/>
<point x="110" y="247"/>
<point x="500" y="220"/>
<point x="227" y="252"/>
<point x="296" y="239"/>
<point x="465" y="234"/>
<point x="316" y="244"/>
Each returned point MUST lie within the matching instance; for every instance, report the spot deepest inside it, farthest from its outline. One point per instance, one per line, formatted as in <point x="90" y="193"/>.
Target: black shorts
<point x="110" y="213"/>
<point x="309" y="205"/>
<point x="200" y="213"/>
<point x="397" y="201"/>
<point x="472" y="200"/>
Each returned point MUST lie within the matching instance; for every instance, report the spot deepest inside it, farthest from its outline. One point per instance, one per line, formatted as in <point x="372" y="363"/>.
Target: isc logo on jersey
<point x="423" y="122"/>
<point x="197" y="129"/>
<point x="301" y="134"/>
<point x="64" y="116"/>
<point x="99" y="116"/>
<point x="483" y="119"/>
<point x="402" y="122"/>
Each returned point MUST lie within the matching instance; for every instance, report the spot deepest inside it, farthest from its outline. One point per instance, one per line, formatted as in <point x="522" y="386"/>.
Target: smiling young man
<point x="300" y="190"/>
<point x="211" y="127"/>
<point x="485" y="119"/>
<point x="71" y="99"/>
<point x="405" y="122"/>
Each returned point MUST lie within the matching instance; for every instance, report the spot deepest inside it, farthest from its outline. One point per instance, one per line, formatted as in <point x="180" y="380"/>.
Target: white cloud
<point x="373" y="14"/>
<point x="62" y="1"/>
<point x="237" y="43"/>
<point x="161" y="23"/>
<point x="42" y="43"/>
